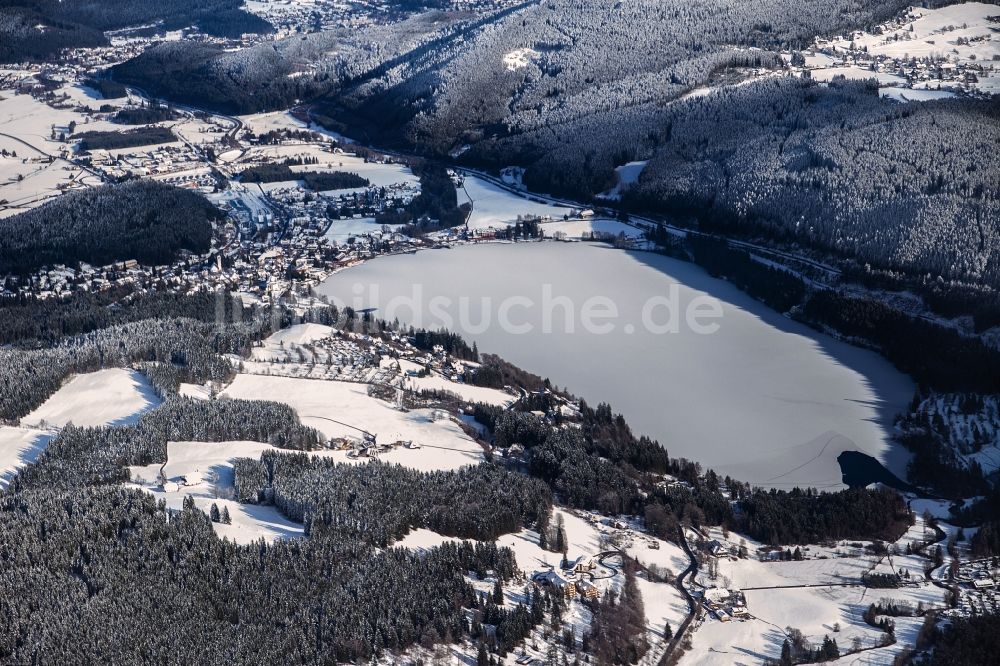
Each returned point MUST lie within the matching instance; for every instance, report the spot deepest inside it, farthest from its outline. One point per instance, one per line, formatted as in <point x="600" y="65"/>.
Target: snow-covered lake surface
<point x="764" y="399"/>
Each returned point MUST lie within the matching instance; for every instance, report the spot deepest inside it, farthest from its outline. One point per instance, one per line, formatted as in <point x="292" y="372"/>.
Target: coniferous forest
<point x="142" y="220"/>
<point x="132" y="581"/>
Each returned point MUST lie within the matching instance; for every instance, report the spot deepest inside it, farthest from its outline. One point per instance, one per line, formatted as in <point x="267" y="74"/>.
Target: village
<point x="922" y="54"/>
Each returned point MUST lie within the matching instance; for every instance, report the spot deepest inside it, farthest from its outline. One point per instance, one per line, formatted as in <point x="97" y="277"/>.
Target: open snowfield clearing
<point x="586" y="228"/>
<point x="794" y="399"/>
<point x="467" y="392"/>
<point x="342" y="230"/>
<point x="342" y="409"/>
<point x="663" y="603"/>
<point x="204" y="470"/>
<point x="423" y="540"/>
<point x="666" y="556"/>
<point x="626" y="176"/>
<point x="196" y="391"/>
<point x="829" y="73"/>
<point x="494" y="206"/>
<point x="18" y="447"/>
<point x="914" y="94"/>
<point x="835" y="570"/>
<point x="519" y="58"/>
<point x="815" y="612"/>
<point x="278" y="343"/>
<point x="107" y="397"/>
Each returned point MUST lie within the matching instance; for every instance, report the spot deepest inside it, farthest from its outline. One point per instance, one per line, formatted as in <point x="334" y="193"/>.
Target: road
<point x="53" y="157"/>
<point x="692" y="571"/>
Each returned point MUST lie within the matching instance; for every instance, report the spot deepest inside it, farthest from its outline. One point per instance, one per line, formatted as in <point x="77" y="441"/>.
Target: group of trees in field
<point x="617" y="633"/>
<point x="804" y="516"/>
<point x="379" y="503"/>
<point x="319" y="181"/>
<point x="79" y="457"/>
<point x="962" y="641"/>
<point x="141" y="136"/>
<point x="436" y="207"/>
<point x="143" y="220"/>
<point x="144" y="115"/>
<point x="942" y="430"/>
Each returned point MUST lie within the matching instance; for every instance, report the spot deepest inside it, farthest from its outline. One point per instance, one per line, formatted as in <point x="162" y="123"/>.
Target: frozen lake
<point x="763" y="399"/>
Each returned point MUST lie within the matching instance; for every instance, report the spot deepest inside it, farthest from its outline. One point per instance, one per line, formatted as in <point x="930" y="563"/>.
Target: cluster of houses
<point x="726" y="604"/>
<point x="576" y="578"/>
<point x="944" y="69"/>
<point x="175" y="163"/>
<point x="979" y="585"/>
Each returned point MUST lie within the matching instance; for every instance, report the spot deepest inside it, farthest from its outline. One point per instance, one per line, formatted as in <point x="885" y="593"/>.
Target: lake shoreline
<point x="875" y="408"/>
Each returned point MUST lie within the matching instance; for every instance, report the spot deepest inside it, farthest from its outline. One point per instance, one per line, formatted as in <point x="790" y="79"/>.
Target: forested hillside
<point x="142" y="220"/>
<point x="570" y="89"/>
<point x="38" y="28"/>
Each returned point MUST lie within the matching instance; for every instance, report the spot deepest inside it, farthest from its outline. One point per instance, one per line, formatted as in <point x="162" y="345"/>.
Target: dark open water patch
<point x="860" y="470"/>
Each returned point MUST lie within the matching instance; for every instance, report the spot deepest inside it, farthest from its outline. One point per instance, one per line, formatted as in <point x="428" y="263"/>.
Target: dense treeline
<point x="32" y="322"/>
<point x="141" y="136"/>
<point x="797" y="516"/>
<point x="319" y="181"/>
<point x="436" y="207"/>
<point x="964" y="641"/>
<point x="777" y="288"/>
<point x="494" y="372"/>
<point x="29" y="376"/>
<point x="322" y="181"/>
<point x="986" y="541"/>
<point x="143" y="220"/>
<point x="933" y="354"/>
<point x="617" y="632"/>
<point x="452" y="343"/>
<point x="25" y="34"/>
<point x="267" y="173"/>
<point x="144" y="115"/>
<point x="123" y="580"/>
<point x="79" y="457"/>
<point x="380" y="503"/>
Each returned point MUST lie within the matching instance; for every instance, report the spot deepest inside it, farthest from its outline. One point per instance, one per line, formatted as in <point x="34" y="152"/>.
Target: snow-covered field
<point x="340" y="409"/>
<point x="494" y="206"/>
<point x="107" y="397"/>
<point x="820" y="595"/>
<point x="18" y="447"/>
<point x="626" y="176"/>
<point x="519" y="58"/>
<point x="29" y="179"/>
<point x="587" y="227"/>
<point x="465" y="391"/>
<point x="207" y="468"/>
